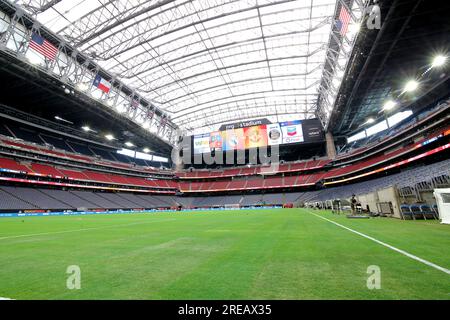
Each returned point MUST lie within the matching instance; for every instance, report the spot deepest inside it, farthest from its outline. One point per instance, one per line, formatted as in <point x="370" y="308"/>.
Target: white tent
<point x="443" y="202"/>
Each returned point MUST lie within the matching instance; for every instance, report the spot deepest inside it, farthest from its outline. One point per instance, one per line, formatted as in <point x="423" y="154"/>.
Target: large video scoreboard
<point x="257" y="134"/>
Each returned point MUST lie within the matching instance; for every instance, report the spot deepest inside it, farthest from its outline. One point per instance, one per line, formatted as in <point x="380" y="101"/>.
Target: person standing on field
<point x="353" y="204"/>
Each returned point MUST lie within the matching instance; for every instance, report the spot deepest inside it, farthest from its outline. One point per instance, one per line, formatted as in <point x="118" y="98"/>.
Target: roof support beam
<point x="220" y="106"/>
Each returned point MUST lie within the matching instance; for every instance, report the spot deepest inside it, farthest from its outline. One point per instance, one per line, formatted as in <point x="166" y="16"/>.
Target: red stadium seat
<point x="46" y="170"/>
<point x="12" y="165"/>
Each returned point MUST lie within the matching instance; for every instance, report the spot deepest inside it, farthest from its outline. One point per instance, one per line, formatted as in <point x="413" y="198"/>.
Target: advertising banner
<point x="292" y="132"/>
<point x="256" y="137"/>
<point x="216" y="141"/>
<point x="236" y="137"/>
<point x="201" y="143"/>
<point x="274" y="134"/>
<point x="234" y="140"/>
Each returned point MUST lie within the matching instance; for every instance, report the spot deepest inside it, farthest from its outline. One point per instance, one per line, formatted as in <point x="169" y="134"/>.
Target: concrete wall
<point x="370" y="200"/>
<point x="390" y="195"/>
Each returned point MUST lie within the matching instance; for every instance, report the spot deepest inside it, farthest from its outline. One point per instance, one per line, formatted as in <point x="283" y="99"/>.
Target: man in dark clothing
<point x="353" y="204"/>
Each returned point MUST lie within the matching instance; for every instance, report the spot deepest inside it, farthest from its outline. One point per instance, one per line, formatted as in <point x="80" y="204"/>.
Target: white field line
<point x="409" y="255"/>
<point x="1" y="298"/>
<point x="85" y="229"/>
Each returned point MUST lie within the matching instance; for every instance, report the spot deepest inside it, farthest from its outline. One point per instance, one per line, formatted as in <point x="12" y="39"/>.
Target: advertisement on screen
<point x="274" y="134"/>
<point x="216" y="141"/>
<point x="292" y="132"/>
<point x="256" y="137"/>
<point x="313" y="131"/>
<point x="201" y="143"/>
<point x="234" y="139"/>
<point x="247" y="135"/>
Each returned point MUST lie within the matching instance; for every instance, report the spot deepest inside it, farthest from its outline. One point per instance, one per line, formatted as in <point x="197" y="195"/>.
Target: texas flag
<point x="102" y="84"/>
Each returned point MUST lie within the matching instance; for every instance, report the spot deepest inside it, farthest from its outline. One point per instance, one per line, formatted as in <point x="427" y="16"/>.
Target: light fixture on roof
<point x="120" y="108"/>
<point x="88" y="129"/>
<point x="129" y="144"/>
<point x="370" y="120"/>
<point x="354" y="28"/>
<point x="146" y="150"/>
<point x="82" y="86"/>
<point x="411" y="86"/>
<point x="63" y="120"/>
<point x="109" y="137"/>
<point x="110" y="102"/>
<point x="439" y="61"/>
<point x="389" y="105"/>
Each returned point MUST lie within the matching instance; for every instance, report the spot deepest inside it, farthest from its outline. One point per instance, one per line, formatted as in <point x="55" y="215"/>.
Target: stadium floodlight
<point x="110" y="102"/>
<point x="146" y="150"/>
<point x="120" y="108"/>
<point x="354" y="28"/>
<point x="109" y="137"/>
<point x="63" y="120"/>
<point x="129" y="144"/>
<point x="438" y="61"/>
<point x="411" y="86"/>
<point x="389" y="105"/>
<point x="82" y="86"/>
<point x="88" y="129"/>
<point x="370" y="120"/>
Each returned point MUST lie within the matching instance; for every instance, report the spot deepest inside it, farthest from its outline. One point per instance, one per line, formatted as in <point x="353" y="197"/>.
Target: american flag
<point x="344" y="21"/>
<point x="42" y="46"/>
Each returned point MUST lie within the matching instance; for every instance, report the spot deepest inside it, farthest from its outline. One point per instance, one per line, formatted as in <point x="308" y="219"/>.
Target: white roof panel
<point x="206" y="62"/>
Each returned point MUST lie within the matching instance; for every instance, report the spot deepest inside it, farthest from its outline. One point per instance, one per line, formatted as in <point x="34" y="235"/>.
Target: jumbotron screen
<point x="257" y="134"/>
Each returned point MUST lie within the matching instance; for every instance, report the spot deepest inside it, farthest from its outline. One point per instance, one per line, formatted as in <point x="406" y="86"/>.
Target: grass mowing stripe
<point x="85" y="229"/>
<point x="409" y="255"/>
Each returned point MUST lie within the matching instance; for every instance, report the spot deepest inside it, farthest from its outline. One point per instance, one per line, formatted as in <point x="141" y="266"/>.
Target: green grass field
<point x="261" y="254"/>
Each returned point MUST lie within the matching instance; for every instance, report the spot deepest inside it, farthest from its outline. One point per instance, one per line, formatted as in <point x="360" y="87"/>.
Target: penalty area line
<point x="403" y="252"/>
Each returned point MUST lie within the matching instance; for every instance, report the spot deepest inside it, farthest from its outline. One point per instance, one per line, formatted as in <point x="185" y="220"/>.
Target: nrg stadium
<point x="224" y="150"/>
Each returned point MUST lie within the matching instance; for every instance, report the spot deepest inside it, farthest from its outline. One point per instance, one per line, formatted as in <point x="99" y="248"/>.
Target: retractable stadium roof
<point x="210" y="62"/>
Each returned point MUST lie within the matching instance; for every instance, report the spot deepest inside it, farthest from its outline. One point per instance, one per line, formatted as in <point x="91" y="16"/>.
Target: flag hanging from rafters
<point x="150" y="114"/>
<point x="134" y="104"/>
<point x="343" y="21"/>
<point x="102" y="84"/>
<point x="164" y="121"/>
<point x="42" y="46"/>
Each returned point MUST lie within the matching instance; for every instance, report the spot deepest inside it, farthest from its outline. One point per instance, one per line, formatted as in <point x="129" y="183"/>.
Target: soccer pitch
<point x="259" y="254"/>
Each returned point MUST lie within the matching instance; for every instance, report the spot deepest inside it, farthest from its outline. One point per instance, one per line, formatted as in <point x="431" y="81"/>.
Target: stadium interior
<point x="121" y="107"/>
